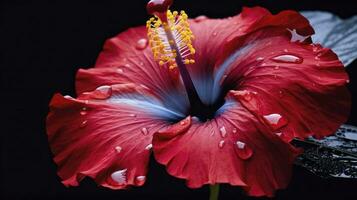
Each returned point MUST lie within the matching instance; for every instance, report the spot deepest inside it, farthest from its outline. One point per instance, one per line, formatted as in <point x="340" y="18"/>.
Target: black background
<point x="43" y="44"/>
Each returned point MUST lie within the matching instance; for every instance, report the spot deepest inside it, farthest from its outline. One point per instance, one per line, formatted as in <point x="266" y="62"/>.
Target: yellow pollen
<point x="162" y="48"/>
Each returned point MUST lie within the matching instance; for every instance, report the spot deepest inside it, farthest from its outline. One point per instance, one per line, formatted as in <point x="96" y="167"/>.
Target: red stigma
<point x="159" y="8"/>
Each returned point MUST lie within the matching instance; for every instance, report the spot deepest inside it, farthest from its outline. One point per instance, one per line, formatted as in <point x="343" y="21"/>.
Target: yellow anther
<point x="192" y="51"/>
<point x="164" y="50"/>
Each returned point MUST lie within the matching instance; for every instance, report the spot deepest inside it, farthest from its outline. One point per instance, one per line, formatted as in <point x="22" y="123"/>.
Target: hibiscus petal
<point x="212" y="36"/>
<point x="302" y="83"/>
<point x="335" y="33"/>
<point x="233" y="148"/>
<point x="126" y="58"/>
<point x="105" y="134"/>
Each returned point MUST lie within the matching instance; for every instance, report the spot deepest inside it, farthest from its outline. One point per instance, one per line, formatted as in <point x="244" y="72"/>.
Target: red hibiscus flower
<point x="215" y="100"/>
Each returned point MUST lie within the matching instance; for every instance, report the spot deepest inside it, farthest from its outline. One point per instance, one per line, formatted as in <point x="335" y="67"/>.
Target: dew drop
<point x="287" y="58"/>
<point x="86" y="101"/>
<point x="278" y="134"/>
<point x="140" y="180"/>
<point x="148" y="147"/>
<point x="68" y="97"/>
<point x="84" y="123"/>
<point x="295" y="37"/>
<point x="118" y="149"/>
<point x="200" y="18"/>
<point x="214" y="33"/>
<point x="141" y="44"/>
<point x="347" y="81"/>
<point x="83" y="112"/>
<point x="119" y="176"/>
<point x="276" y="67"/>
<point x="285" y="50"/>
<point x="120" y="70"/>
<point x="243" y="150"/>
<point x="144" y="131"/>
<point x="127" y="65"/>
<point x="234" y="130"/>
<point x="132" y="115"/>
<point x="275" y="120"/>
<point x="141" y="63"/>
<point x="223" y="131"/>
<point x="221" y="144"/>
<point x="240" y="145"/>
<point x="259" y="59"/>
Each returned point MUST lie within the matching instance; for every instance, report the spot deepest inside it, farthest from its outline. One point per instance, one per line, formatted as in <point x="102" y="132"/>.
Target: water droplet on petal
<point x="140" y="180"/>
<point x="240" y="145"/>
<point x="221" y="144"/>
<point x="86" y="101"/>
<point x="223" y="131"/>
<point x="68" y="97"/>
<point x="287" y="58"/>
<point x="259" y="59"/>
<point x="347" y="81"/>
<point x="276" y="67"/>
<point x="141" y="44"/>
<point x="148" y="147"/>
<point x="295" y="37"/>
<point x="120" y="70"/>
<point x="132" y="115"/>
<point x="119" y="176"/>
<point x="83" y="112"/>
<point x="275" y="120"/>
<point x="141" y="63"/>
<point x="278" y="133"/>
<point x="243" y="150"/>
<point x="144" y="131"/>
<point x="212" y="133"/>
<point x="84" y="123"/>
<point x="285" y="50"/>
<point x="214" y="33"/>
<point x="195" y="119"/>
<point x="200" y="18"/>
<point x="118" y="149"/>
<point x="234" y="130"/>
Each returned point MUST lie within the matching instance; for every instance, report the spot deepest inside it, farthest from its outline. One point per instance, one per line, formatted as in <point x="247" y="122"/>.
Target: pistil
<point x="170" y="39"/>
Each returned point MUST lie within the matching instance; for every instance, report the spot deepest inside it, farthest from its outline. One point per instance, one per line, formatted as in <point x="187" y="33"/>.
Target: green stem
<point x="214" y="192"/>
